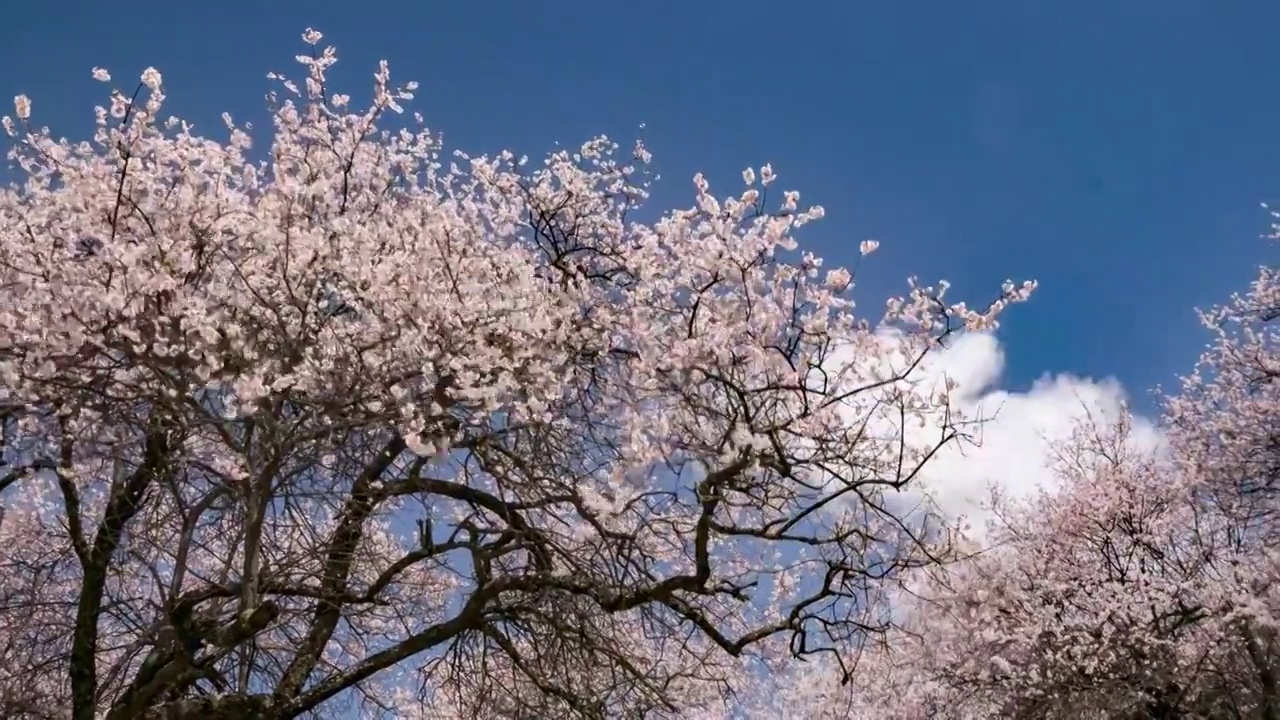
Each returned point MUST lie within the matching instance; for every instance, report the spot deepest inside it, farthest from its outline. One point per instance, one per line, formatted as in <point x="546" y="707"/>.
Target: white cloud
<point x="1010" y="447"/>
<point x="1011" y="450"/>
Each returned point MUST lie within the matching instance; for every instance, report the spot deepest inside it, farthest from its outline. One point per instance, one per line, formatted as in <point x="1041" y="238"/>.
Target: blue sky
<point x="1117" y="152"/>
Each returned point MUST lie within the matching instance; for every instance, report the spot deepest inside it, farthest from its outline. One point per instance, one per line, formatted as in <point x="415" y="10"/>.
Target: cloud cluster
<point x="1009" y="448"/>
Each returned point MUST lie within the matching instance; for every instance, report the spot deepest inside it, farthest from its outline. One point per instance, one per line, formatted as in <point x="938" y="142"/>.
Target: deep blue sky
<point x="1116" y="151"/>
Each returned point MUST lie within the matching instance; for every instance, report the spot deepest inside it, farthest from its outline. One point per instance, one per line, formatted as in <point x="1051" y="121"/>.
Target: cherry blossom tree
<point x="1144" y="585"/>
<point x="1226" y="417"/>
<point x="1115" y="596"/>
<point x="1226" y="425"/>
<point x="354" y="425"/>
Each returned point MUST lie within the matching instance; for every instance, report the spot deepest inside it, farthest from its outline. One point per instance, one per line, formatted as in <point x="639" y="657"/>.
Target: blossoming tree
<point x="1144" y="586"/>
<point x="356" y="426"/>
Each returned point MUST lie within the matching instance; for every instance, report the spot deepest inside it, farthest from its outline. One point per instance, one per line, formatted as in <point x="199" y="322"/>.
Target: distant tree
<point x="1145" y="586"/>
<point x="358" y="426"/>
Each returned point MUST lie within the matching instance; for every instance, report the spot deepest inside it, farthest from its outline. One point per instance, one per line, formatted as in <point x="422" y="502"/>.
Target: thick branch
<point x="341" y="555"/>
<point x="125" y="501"/>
